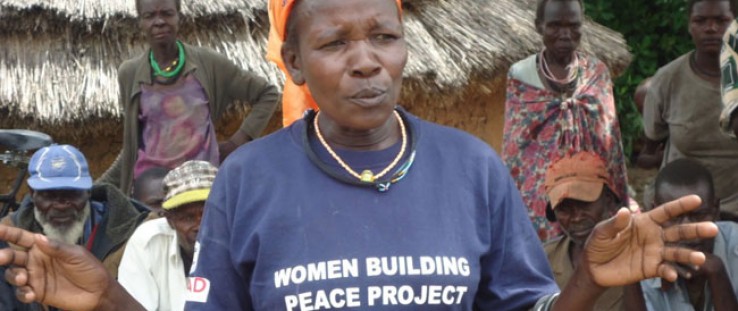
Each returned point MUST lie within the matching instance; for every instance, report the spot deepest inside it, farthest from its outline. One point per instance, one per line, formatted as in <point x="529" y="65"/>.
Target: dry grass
<point x="58" y="58"/>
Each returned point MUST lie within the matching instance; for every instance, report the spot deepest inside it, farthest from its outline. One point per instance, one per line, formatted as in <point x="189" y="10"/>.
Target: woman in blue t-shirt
<point x="364" y="206"/>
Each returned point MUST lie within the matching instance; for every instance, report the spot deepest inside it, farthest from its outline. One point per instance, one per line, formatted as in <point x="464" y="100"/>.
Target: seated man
<point x="148" y="189"/>
<point x="621" y="250"/>
<point x="580" y="195"/>
<point x="64" y="205"/>
<point x="159" y="254"/>
<point x="714" y="286"/>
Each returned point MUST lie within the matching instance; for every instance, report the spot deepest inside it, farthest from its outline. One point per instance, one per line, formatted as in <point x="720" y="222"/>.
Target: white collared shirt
<point x="152" y="270"/>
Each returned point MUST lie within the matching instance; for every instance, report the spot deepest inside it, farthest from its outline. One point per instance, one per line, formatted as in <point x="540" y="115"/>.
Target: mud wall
<point x="479" y="112"/>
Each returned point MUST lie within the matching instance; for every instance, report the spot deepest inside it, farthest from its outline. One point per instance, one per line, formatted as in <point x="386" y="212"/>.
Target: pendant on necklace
<point x="367" y="176"/>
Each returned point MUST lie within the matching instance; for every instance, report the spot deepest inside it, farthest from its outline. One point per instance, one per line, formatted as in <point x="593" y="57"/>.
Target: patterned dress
<point x="541" y="126"/>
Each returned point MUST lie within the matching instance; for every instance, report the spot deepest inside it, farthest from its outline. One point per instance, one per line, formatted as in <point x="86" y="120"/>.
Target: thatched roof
<point x="58" y="58"/>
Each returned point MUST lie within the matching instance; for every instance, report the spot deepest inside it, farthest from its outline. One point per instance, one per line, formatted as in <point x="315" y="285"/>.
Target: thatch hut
<point x="58" y="61"/>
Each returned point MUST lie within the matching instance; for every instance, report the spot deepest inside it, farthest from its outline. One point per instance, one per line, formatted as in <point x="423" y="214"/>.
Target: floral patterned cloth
<point x="176" y="127"/>
<point x="541" y="126"/>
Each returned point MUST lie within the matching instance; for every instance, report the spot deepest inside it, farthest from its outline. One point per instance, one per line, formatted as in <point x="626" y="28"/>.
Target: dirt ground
<point x="638" y="179"/>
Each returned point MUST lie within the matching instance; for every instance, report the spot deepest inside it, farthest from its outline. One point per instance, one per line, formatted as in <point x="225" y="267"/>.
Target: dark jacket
<point x="120" y="218"/>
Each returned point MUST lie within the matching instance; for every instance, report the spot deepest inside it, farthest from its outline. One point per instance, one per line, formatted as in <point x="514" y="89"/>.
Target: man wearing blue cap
<point x="64" y="205"/>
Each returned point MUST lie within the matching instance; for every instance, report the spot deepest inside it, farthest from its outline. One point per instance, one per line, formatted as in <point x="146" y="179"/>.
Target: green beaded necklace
<point x="166" y="73"/>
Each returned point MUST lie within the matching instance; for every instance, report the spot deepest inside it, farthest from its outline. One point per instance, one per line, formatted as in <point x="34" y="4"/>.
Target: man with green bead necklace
<point x="173" y="94"/>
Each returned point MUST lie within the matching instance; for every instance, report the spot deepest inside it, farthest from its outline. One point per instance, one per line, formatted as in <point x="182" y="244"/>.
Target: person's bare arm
<point x="631" y="247"/>
<point x="60" y="275"/>
<point x="580" y="293"/>
<point x="651" y="155"/>
<point x="227" y="146"/>
<point x="247" y="87"/>
<point x="633" y="299"/>
<point x="723" y="296"/>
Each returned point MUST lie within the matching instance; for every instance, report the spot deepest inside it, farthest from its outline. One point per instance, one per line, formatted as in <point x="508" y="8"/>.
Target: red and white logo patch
<point x="197" y="289"/>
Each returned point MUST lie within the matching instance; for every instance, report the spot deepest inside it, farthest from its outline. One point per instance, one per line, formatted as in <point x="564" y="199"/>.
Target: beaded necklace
<point x="173" y="69"/>
<point x="572" y="70"/>
<point x="366" y="176"/>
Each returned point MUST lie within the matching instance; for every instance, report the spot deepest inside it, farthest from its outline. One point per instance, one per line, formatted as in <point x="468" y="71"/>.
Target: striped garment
<point x="729" y="61"/>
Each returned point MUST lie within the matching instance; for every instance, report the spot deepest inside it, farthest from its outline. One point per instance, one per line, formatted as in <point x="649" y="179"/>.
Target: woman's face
<point x="159" y="21"/>
<point x="351" y="54"/>
<point x="561" y="28"/>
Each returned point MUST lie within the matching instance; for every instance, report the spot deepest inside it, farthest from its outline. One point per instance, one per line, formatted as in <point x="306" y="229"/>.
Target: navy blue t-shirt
<point x="280" y="234"/>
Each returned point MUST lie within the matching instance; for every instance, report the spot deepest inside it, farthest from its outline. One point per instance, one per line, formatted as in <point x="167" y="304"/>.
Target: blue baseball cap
<point x="59" y="167"/>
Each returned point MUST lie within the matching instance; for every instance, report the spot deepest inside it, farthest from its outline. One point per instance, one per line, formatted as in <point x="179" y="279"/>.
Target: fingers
<point x="49" y="247"/>
<point x="16" y="276"/>
<point x="667" y="272"/>
<point x="673" y="258"/>
<point x="9" y="256"/>
<point x="16" y="236"/>
<point x="693" y="231"/>
<point x="59" y="250"/>
<point x="683" y="256"/>
<point x="25" y="294"/>
<point x="611" y="227"/>
<point x="683" y="271"/>
<point x="669" y="210"/>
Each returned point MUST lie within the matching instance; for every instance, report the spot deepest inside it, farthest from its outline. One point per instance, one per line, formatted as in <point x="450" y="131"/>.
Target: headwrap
<point x="729" y="66"/>
<point x="296" y="99"/>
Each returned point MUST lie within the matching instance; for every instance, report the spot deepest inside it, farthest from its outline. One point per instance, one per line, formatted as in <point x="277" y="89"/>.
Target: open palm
<point x="628" y="248"/>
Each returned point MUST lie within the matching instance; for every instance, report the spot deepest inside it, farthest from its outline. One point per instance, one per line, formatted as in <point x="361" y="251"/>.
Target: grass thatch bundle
<point x="58" y="58"/>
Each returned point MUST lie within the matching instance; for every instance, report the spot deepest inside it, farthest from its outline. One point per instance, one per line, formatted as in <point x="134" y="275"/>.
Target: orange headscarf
<point x="296" y="99"/>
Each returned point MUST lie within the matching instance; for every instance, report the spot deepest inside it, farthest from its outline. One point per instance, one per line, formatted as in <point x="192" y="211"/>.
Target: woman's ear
<point x="293" y="64"/>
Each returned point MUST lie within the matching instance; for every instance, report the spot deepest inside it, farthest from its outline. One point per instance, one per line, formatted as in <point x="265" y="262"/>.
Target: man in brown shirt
<point x="580" y="195"/>
<point x="683" y="104"/>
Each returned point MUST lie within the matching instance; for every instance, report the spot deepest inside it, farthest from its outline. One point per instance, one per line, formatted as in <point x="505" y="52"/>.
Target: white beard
<point x="70" y="234"/>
